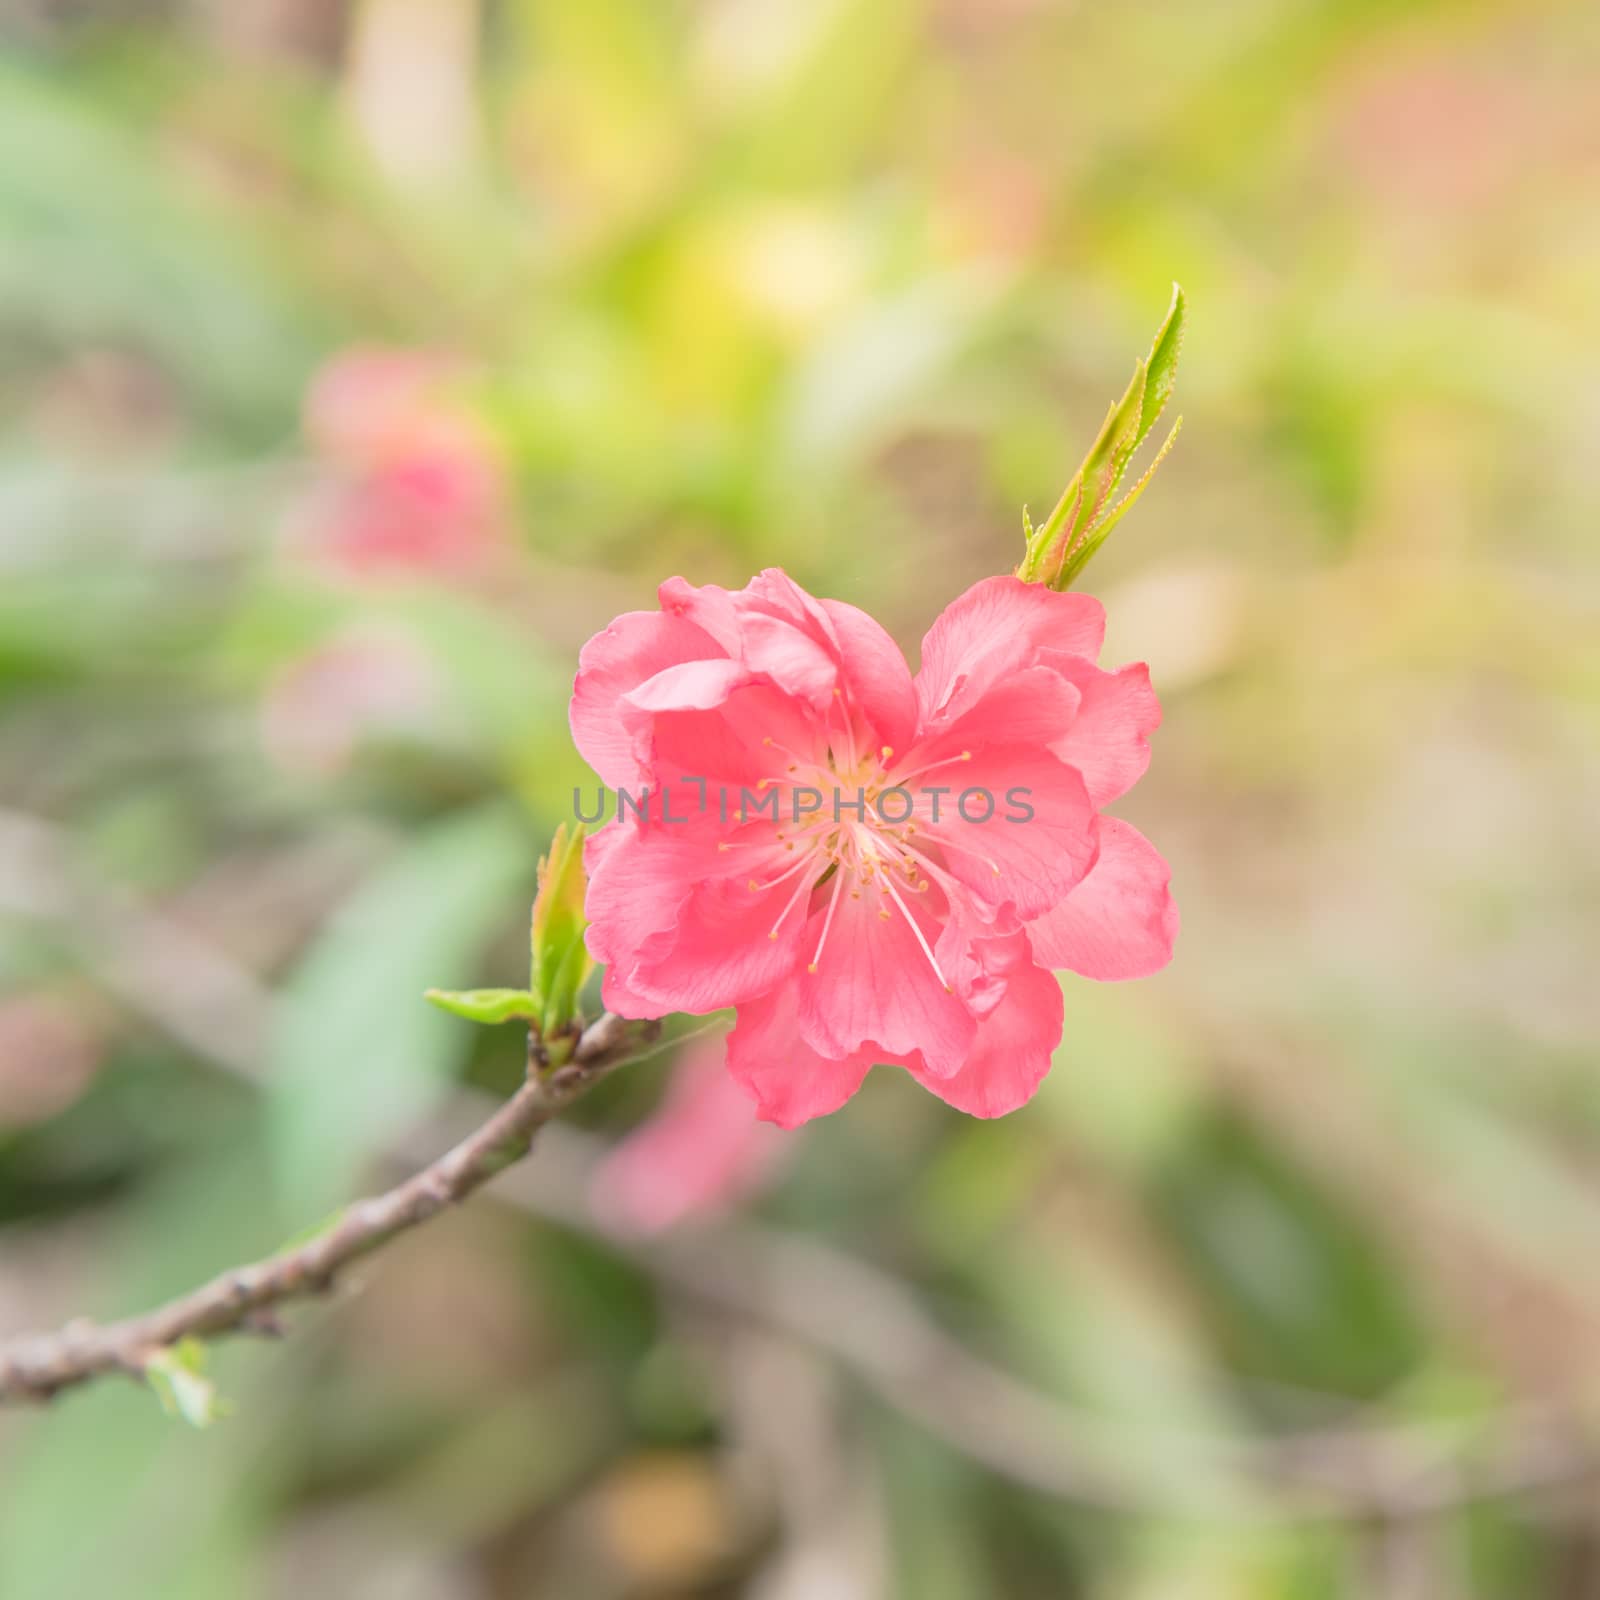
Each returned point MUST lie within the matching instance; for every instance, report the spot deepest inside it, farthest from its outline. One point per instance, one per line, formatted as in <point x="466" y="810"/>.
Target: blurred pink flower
<point x="918" y="934"/>
<point x="363" y="683"/>
<point x="1436" y="135"/>
<point x="411" y="479"/>
<point x="702" y="1152"/>
<point x="49" y="1055"/>
<point x="363" y="404"/>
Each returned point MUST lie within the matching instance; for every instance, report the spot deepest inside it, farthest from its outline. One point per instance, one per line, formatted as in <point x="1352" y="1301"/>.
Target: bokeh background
<point x="357" y="361"/>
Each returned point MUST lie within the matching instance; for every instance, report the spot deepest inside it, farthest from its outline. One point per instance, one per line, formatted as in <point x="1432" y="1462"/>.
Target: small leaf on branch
<point x="176" y="1374"/>
<point x="1088" y="509"/>
<point x="487" y="1005"/>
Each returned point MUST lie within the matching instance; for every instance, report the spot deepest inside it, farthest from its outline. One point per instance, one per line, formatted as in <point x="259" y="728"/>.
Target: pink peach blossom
<point x="411" y="481"/>
<point x="50" y="1052"/>
<point x="927" y="943"/>
<point x="366" y="404"/>
<point x="700" y="1153"/>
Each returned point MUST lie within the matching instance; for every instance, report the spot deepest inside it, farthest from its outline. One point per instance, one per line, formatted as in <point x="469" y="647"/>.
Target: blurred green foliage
<point x="701" y="286"/>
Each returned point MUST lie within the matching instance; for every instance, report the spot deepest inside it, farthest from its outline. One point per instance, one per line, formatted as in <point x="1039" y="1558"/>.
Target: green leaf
<point x="560" y="961"/>
<point x="1161" y="374"/>
<point x="1088" y="510"/>
<point x="487" y="1005"/>
<point x="177" y="1376"/>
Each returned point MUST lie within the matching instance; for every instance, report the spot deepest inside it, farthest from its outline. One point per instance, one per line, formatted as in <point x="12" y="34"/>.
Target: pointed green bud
<point x="1059" y="549"/>
<point x="561" y="961"/>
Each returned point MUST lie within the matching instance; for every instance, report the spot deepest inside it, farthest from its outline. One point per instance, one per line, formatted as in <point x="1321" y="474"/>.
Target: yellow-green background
<point x="837" y="286"/>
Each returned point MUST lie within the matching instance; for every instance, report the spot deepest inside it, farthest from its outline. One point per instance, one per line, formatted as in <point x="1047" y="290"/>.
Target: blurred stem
<point x="36" y="1367"/>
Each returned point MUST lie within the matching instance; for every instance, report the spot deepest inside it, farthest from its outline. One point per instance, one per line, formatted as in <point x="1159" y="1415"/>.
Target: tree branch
<point x="38" y="1366"/>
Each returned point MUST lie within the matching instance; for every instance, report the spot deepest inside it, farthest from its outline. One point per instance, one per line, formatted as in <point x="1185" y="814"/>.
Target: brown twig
<point x="38" y="1366"/>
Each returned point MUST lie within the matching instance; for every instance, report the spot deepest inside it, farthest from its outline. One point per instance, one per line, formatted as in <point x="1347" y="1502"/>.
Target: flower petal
<point x="1034" y="706"/>
<point x="1120" y="922"/>
<point x="1012" y="1049"/>
<point x="684" y="686"/>
<point x="772" y="627"/>
<point x="616" y="995"/>
<point x="776" y="649"/>
<point x="998" y="627"/>
<point x="726" y="945"/>
<point x="636" y="647"/>
<point x="754" y="735"/>
<point x="874" y="982"/>
<point x="809" y="648"/>
<point x="675" y="919"/>
<point x="1015" y="827"/>
<point x="630" y="895"/>
<point x="1108" y="741"/>
<point x="875" y="677"/>
<point x="789" y="1081"/>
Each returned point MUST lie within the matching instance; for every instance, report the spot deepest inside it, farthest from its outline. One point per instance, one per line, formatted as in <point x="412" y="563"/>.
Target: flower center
<point x="852" y="842"/>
